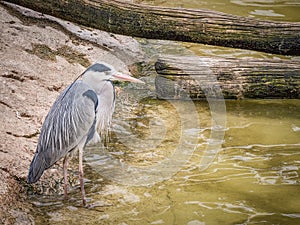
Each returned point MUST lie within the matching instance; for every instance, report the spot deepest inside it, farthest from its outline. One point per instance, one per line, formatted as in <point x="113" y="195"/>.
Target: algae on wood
<point x="198" y="77"/>
<point x="191" y="25"/>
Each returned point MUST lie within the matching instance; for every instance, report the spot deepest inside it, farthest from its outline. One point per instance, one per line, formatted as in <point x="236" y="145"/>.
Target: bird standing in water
<point x="73" y="120"/>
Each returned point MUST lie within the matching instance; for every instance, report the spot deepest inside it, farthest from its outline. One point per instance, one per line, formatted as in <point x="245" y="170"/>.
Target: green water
<point x="194" y="163"/>
<point x="279" y="10"/>
<point x="253" y="179"/>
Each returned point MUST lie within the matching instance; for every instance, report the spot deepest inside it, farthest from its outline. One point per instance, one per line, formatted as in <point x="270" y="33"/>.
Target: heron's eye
<point x="108" y="72"/>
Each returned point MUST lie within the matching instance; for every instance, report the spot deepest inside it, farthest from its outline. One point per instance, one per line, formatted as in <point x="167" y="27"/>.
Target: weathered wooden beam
<point x="200" y="77"/>
<point x="191" y="25"/>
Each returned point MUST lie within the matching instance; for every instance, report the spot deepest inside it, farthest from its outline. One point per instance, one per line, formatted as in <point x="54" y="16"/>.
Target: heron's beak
<point x="126" y="77"/>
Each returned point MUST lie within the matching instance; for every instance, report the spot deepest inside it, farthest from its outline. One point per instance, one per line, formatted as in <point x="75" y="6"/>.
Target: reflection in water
<point x="281" y="10"/>
<point x="253" y="179"/>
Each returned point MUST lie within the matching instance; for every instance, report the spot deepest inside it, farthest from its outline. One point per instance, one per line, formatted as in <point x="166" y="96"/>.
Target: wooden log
<point x="191" y="25"/>
<point x="203" y="77"/>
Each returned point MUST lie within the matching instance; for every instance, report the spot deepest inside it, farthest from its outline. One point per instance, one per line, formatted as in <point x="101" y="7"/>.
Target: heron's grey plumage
<point x="83" y="107"/>
<point x="67" y="124"/>
<point x="73" y="118"/>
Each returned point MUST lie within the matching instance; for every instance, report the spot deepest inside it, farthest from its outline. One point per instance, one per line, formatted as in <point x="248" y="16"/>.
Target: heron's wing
<point x="70" y="121"/>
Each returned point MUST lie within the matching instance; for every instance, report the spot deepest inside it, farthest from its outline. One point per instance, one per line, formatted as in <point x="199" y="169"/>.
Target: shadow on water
<point x="284" y="10"/>
<point x="253" y="179"/>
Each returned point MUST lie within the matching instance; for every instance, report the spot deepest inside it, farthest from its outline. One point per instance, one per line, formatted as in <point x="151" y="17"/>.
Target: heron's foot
<point x="65" y="196"/>
<point x="84" y="202"/>
<point x="96" y="206"/>
<point x="65" y="191"/>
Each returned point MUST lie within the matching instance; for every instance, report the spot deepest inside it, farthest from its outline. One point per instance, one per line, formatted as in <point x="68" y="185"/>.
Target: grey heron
<point x="80" y="110"/>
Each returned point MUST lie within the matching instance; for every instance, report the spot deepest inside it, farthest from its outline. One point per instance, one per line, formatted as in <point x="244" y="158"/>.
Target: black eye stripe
<point x="99" y="68"/>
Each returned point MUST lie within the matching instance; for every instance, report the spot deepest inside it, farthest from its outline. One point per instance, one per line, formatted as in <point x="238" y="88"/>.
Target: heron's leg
<point x="65" y="167"/>
<point x="81" y="176"/>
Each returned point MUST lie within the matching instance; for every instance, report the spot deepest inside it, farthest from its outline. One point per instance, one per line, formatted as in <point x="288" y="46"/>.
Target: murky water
<point x="280" y="10"/>
<point x="176" y="162"/>
<point x="253" y="178"/>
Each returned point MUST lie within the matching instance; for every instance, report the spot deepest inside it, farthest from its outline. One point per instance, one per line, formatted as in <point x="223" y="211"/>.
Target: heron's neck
<point x="95" y="81"/>
<point x="106" y="104"/>
<point x="104" y="87"/>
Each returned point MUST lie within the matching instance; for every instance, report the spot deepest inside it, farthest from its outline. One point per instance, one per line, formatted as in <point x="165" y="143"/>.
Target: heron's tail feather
<point x="37" y="168"/>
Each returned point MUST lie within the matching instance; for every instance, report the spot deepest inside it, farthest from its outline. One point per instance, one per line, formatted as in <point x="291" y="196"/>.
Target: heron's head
<point x="103" y="72"/>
